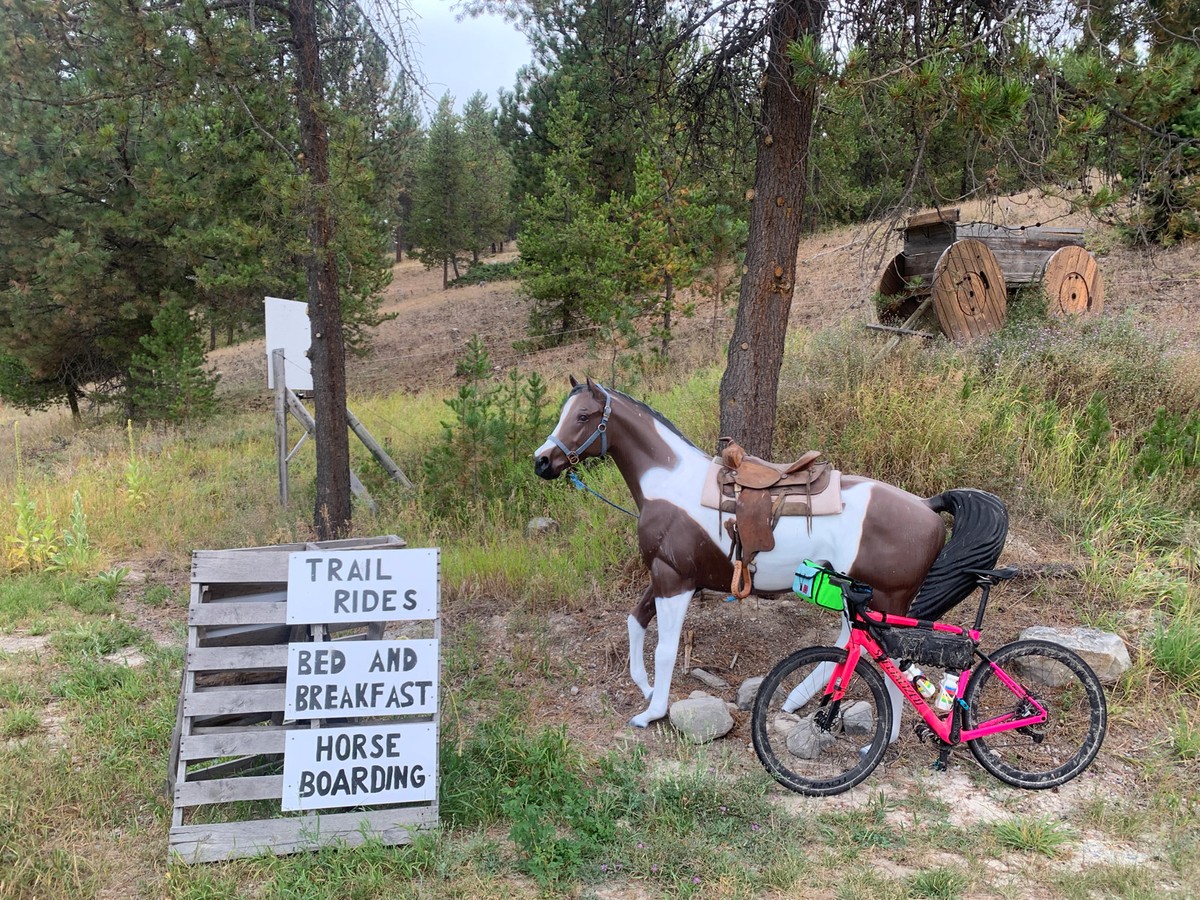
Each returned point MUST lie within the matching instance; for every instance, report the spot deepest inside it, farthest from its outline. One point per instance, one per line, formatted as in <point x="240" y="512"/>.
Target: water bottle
<point x="924" y="686"/>
<point x="945" y="697"/>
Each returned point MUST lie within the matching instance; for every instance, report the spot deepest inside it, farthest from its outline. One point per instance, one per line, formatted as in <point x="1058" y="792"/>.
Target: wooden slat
<point x="294" y="834"/>
<point x="937" y="217"/>
<point x="229" y="790"/>
<point x="242" y="742"/>
<point x="208" y="659"/>
<point x="238" y="614"/>
<point x="240" y="767"/>
<point x="269" y="564"/>
<point x="234" y="566"/>
<point x="229" y="701"/>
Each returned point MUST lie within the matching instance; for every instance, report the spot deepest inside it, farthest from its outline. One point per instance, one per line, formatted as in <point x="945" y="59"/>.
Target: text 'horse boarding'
<point x="874" y="532"/>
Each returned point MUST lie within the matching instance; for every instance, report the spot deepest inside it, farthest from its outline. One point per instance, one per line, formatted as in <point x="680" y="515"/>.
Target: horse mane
<point x="582" y="386"/>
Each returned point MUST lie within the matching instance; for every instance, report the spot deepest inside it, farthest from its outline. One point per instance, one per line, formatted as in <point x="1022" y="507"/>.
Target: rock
<point x="716" y="682"/>
<point x="748" y="691"/>
<point x="1104" y="651"/>
<point x="806" y="741"/>
<point x="858" y="719"/>
<point x="701" y="719"/>
<point x="540" y="526"/>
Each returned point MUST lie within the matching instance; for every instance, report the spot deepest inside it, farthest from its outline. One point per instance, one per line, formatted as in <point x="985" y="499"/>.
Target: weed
<point x="33" y="543"/>
<point x="157" y="595"/>
<point x="96" y="639"/>
<point x="136" y="476"/>
<point x="1116" y="882"/>
<point x="17" y="723"/>
<point x="74" y="554"/>
<point x="938" y="884"/>
<point x="1035" y="834"/>
<point x="1176" y="650"/>
<point x="1185" y="737"/>
<point x="110" y="582"/>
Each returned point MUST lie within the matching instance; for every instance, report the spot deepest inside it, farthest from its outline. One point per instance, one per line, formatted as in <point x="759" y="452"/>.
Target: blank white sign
<point x="288" y="330"/>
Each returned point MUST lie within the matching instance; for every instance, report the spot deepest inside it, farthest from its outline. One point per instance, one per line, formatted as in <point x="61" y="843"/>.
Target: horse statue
<point x="882" y="535"/>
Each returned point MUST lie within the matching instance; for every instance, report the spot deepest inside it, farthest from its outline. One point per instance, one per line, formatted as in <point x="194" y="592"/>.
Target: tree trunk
<point x="331" y="516"/>
<point x="73" y="394"/>
<point x="751" y="380"/>
<point x="399" y="243"/>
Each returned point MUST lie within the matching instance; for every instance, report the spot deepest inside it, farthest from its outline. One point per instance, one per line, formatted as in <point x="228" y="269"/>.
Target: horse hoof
<point x="637" y="724"/>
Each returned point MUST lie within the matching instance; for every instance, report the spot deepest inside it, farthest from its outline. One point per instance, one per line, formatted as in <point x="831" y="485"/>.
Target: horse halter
<point x="600" y="432"/>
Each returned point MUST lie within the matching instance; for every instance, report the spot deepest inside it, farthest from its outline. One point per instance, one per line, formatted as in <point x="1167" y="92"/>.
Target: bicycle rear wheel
<point x="812" y="745"/>
<point x="1055" y="751"/>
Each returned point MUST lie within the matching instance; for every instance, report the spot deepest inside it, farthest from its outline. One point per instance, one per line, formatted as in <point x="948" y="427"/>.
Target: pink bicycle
<point x="1032" y="713"/>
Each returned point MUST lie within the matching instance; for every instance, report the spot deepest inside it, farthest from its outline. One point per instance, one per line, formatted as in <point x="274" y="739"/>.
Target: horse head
<point x="581" y="432"/>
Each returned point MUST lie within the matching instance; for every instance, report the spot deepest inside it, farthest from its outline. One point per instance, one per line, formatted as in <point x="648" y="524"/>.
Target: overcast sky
<point x="481" y="54"/>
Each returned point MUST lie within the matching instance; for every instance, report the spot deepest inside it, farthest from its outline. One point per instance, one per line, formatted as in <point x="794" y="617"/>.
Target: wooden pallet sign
<point x="308" y="713"/>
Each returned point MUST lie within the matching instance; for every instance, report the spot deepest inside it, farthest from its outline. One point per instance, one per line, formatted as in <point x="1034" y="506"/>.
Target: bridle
<point x="601" y="432"/>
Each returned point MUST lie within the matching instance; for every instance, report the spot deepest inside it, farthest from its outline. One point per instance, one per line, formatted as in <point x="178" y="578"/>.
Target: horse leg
<point x="819" y="677"/>
<point x="639" y="619"/>
<point x="670" y="612"/>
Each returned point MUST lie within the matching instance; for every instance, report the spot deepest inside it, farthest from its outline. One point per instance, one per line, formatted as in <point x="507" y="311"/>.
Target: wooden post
<point x="310" y="425"/>
<point x="908" y="323"/>
<point x="377" y="451"/>
<point x="281" y="435"/>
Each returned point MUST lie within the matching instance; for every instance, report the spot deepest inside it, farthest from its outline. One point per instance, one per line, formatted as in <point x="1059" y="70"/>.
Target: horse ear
<point x="591" y="385"/>
<point x="574" y="383"/>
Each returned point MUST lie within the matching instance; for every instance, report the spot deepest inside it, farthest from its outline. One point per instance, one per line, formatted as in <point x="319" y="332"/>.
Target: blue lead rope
<point x="579" y="485"/>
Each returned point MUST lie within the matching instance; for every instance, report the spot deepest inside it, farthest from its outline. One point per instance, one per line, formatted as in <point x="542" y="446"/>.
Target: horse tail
<point x="976" y="540"/>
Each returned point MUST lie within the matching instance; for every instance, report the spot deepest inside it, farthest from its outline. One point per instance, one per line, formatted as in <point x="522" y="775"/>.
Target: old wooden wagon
<point x="966" y="271"/>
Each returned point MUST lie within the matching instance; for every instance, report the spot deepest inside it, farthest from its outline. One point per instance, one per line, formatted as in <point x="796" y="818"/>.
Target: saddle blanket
<point x="828" y="502"/>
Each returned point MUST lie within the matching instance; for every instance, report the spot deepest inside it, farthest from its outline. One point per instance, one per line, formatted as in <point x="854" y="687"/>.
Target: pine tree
<point x="487" y="178"/>
<point x="572" y="251"/>
<point x="168" y="380"/>
<point x="439" y="211"/>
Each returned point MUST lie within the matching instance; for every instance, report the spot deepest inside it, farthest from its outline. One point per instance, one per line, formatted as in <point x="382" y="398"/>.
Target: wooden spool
<point x="1073" y="284"/>
<point x="968" y="291"/>
<point x="897" y="297"/>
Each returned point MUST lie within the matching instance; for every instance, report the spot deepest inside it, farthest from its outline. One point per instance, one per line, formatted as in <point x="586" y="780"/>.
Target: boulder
<point x="1104" y="651"/>
<point x="748" y="691"/>
<point x="701" y="719"/>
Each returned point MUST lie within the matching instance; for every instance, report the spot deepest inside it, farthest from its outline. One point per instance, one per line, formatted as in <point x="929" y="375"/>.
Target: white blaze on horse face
<point x="549" y="445"/>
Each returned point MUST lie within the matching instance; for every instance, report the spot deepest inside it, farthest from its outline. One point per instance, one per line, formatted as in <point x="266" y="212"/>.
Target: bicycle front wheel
<point x="1052" y="752"/>
<point x="809" y="743"/>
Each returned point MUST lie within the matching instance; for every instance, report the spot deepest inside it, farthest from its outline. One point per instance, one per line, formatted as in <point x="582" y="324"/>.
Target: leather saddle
<point x="758" y="492"/>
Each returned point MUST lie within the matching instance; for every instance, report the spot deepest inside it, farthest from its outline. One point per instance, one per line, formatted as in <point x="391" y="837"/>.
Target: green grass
<point x="1036" y="834"/>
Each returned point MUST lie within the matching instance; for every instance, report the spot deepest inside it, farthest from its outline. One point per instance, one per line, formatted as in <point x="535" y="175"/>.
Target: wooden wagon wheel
<point x="968" y="291"/>
<point x="1072" y="283"/>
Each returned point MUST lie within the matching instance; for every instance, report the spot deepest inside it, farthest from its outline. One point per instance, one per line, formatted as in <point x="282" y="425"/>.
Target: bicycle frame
<point x="946" y="727"/>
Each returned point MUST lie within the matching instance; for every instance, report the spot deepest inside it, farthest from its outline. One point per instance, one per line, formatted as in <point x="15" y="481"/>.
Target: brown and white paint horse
<point x="884" y="536"/>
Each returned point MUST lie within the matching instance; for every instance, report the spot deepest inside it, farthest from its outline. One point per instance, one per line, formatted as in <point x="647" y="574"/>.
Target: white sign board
<point x="328" y="587"/>
<point x="361" y="678"/>
<point x="288" y="330"/>
<point x="369" y="765"/>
